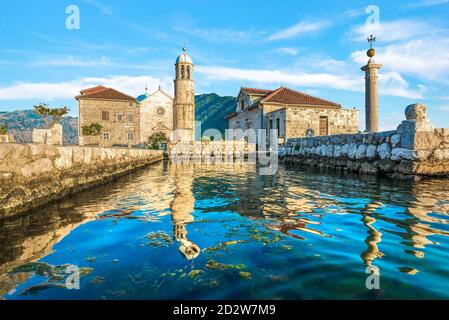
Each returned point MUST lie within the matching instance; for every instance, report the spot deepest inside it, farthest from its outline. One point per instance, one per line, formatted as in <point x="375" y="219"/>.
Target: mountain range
<point x="210" y="109"/>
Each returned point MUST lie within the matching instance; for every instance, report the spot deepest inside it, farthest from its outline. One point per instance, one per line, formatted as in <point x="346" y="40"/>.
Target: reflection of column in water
<point x="374" y="236"/>
<point x="182" y="208"/>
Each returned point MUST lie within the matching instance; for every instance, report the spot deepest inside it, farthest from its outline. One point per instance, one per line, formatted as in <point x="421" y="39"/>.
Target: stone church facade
<point x="294" y="114"/>
<point x="156" y="114"/>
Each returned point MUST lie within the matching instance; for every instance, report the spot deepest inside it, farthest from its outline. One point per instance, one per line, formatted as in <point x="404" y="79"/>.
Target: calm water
<point x="208" y="232"/>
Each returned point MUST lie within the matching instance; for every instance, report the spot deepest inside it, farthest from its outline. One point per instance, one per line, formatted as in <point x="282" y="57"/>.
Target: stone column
<point x="371" y="104"/>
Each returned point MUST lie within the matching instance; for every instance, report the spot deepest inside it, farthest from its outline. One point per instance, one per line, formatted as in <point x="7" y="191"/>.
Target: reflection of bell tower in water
<point x="184" y="103"/>
<point x="182" y="208"/>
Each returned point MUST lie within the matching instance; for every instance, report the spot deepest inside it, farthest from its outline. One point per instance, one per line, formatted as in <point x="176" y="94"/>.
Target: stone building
<point x="293" y="113"/>
<point x="116" y="112"/>
<point x="156" y="114"/>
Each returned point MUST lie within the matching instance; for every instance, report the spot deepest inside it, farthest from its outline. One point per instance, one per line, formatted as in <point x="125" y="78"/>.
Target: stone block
<point x="361" y="151"/>
<point x="337" y="151"/>
<point x="371" y="151"/>
<point x="384" y="151"/>
<point x="416" y="112"/>
<point x="395" y="140"/>
<point x="352" y="150"/>
<point x="402" y="154"/>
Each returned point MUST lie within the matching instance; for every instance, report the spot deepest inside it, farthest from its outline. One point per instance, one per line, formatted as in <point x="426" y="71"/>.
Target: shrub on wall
<point x="94" y="129"/>
<point x="155" y="140"/>
<point x="4" y="129"/>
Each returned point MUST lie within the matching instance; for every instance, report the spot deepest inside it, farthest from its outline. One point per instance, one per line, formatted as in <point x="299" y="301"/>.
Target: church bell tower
<point x="184" y="103"/>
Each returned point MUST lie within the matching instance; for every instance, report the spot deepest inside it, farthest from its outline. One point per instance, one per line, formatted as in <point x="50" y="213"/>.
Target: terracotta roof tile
<point x="105" y="94"/>
<point x="93" y="89"/>
<point x="257" y="91"/>
<point x="289" y="96"/>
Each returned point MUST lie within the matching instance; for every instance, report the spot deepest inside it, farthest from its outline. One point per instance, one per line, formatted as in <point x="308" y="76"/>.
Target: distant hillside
<point x="21" y="123"/>
<point x="210" y="109"/>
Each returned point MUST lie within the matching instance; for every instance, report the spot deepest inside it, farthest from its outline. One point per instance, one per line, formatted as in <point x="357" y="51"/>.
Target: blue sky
<point x="316" y="47"/>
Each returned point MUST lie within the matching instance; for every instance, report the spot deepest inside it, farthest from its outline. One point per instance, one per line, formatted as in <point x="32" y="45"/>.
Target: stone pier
<point x="34" y="174"/>
<point x="414" y="149"/>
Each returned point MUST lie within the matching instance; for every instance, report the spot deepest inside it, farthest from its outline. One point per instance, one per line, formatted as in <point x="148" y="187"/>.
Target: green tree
<point x="155" y="140"/>
<point x="50" y="116"/>
<point x="4" y="129"/>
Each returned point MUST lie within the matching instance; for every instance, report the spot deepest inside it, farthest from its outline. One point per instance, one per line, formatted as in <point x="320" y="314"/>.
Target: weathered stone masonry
<point x="34" y="174"/>
<point x="414" y="149"/>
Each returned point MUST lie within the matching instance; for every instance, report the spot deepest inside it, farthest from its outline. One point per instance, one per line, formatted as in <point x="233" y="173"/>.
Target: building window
<point x="130" y="136"/>
<point x="131" y="104"/>
<point x="130" y="118"/>
<point x="242" y="104"/>
<point x="188" y="72"/>
<point x="105" y="115"/>
<point x="270" y="125"/>
<point x="106" y="136"/>
<point x="119" y="117"/>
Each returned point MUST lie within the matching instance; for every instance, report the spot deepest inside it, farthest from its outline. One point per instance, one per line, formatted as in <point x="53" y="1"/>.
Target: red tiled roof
<point x="93" y="89"/>
<point x="104" y="94"/>
<point x="288" y="96"/>
<point x="256" y="91"/>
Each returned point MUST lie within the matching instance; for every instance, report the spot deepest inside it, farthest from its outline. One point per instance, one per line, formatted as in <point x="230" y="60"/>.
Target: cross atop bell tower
<point x="371" y="101"/>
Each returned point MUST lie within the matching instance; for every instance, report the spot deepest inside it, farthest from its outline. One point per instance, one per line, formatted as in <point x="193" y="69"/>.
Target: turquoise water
<point x="225" y="232"/>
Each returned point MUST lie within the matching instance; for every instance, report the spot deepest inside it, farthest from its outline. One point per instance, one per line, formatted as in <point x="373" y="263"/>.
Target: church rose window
<point x="160" y="111"/>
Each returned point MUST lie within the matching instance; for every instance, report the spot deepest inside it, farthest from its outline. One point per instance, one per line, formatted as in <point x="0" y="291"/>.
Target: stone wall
<point x="208" y="151"/>
<point x="34" y="174"/>
<point x="52" y="136"/>
<point x="7" y="137"/>
<point x="414" y="149"/>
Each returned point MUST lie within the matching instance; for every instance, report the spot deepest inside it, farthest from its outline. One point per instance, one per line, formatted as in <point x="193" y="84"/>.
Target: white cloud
<point x="71" y="61"/>
<point x="298" y="29"/>
<point x="390" y="31"/>
<point x="48" y="91"/>
<point x="215" y="35"/>
<point x="390" y="83"/>
<point x="291" y="51"/>
<point x="424" y="58"/>
<point x="428" y="3"/>
<point x="280" y="77"/>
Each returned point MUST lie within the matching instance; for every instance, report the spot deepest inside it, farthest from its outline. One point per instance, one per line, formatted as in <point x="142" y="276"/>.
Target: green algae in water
<point x="264" y="236"/>
<point x="194" y="273"/>
<point x="97" y="281"/>
<point x="159" y="239"/>
<point x="91" y="259"/>
<point x="211" y="264"/>
<point x="223" y="245"/>
<point x="245" y="275"/>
